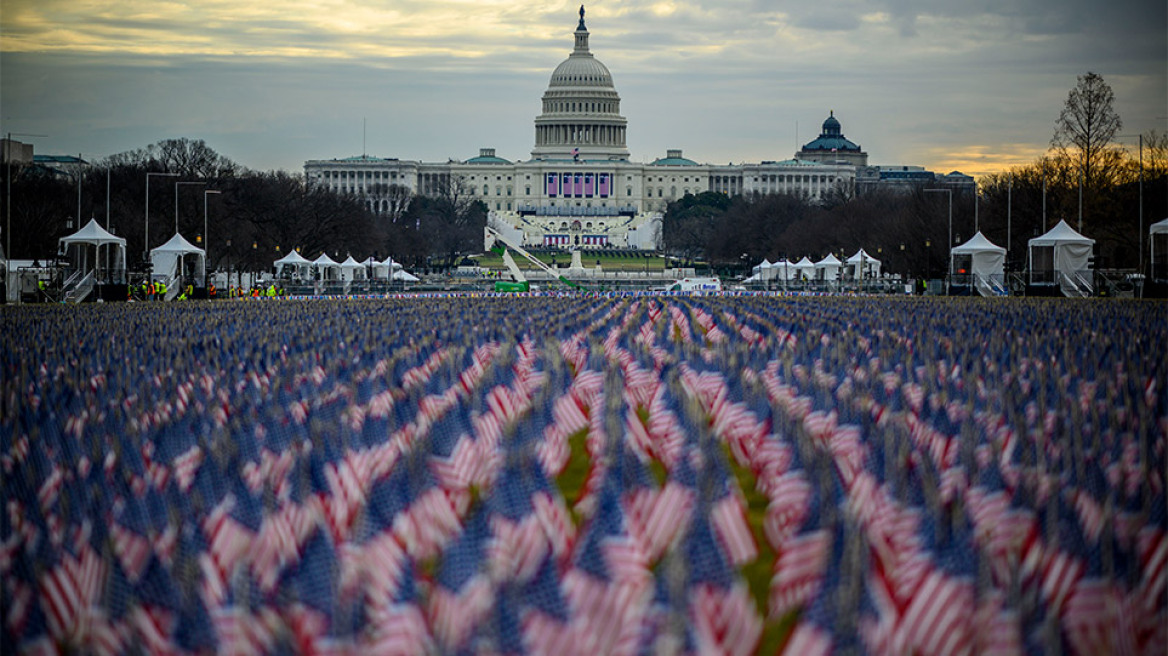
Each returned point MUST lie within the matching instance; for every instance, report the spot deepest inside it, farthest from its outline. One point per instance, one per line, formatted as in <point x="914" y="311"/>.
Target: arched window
<point x="486" y="190"/>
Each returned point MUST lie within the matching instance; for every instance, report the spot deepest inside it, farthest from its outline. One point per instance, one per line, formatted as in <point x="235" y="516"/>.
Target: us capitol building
<point x="579" y="188"/>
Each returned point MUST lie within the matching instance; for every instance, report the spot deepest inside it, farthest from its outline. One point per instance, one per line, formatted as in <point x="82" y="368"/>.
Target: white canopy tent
<point x="377" y="270"/>
<point x="93" y="235"/>
<point x="328" y="267"/>
<point x="804" y="269"/>
<point x="863" y="265"/>
<point x="1159" y="229"/>
<point x="404" y="276"/>
<point x="167" y="261"/>
<point x="298" y="265"/>
<point x="984" y="262"/>
<point x="828" y="268"/>
<point x="398" y="272"/>
<point x="782" y="270"/>
<point x="352" y="270"/>
<point x="758" y="268"/>
<point x="1062" y="257"/>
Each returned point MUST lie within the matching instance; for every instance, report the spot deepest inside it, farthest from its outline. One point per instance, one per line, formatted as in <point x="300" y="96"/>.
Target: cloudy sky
<point x="974" y="85"/>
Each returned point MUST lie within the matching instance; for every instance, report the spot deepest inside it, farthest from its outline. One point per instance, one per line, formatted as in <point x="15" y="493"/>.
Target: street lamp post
<point x="950" y="242"/>
<point x="146" y="243"/>
<point x="928" y="261"/>
<point x="206" y="238"/>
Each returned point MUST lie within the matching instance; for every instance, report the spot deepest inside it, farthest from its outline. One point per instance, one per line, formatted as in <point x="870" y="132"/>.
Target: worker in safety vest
<point x="271" y="291"/>
<point x="211" y="291"/>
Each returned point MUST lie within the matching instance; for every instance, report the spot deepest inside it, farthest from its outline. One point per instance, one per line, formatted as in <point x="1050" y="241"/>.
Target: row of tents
<point x="1060" y="258"/>
<point x="295" y="265"/>
<point x="171" y="259"/>
<point x="859" y="266"/>
<point x="98" y="258"/>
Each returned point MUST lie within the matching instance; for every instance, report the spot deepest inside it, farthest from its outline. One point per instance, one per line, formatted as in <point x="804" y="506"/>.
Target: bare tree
<point x="1155" y="154"/>
<point x="397" y="198"/>
<point x="1085" y="129"/>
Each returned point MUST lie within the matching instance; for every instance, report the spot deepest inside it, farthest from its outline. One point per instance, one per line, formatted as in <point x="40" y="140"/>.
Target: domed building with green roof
<point x="831" y="147"/>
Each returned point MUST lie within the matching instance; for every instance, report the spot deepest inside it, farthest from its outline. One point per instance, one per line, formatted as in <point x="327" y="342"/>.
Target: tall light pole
<point x="206" y="239"/>
<point x="1080" y="202"/>
<point x="176" y="186"/>
<point x="79" y="174"/>
<point x="1009" y="212"/>
<point x="146" y="250"/>
<point x="976" y="199"/>
<point x="950" y="242"/>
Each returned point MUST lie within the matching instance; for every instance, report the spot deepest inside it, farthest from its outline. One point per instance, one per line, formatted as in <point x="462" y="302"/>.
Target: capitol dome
<point x="581" y="109"/>
<point x="581" y="71"/>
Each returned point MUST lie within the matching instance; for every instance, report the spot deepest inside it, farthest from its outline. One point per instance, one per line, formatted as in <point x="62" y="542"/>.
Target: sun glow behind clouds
<point x="917" y="83"/>
<point x="982" y="159"/>
<point x="329" y="29"/>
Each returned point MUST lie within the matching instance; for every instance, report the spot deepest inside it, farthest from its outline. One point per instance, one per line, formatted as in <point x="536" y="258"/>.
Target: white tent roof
<point x="92" y="233"/>
<point x="389" y="262"/>
<point x="166" y="260"/>
<point x="350" y="263"/>
<point x="830" y="260"/>
<point x="1061" y="234"/>
<point x="325" y="261"/>
<point x="177" y="244"/>
<point x="404" y="275"/>
<point x="978" y="244"/>
<point x="1159" y="228"/>
<point x="293" y="258"/>
<point x="804" y="263"/>
<point x="862" y="256"/>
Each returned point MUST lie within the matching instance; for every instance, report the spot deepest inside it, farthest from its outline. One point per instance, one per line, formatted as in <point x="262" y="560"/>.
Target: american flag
<point x="586" y="475"/>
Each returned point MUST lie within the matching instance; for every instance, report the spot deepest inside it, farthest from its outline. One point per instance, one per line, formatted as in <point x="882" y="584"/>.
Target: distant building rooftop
<point x="487" y="156"/>
<point x="673" y="158"/>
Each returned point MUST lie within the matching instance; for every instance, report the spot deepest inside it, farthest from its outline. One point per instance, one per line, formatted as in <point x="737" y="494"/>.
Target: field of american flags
<point x="581" y="475"/>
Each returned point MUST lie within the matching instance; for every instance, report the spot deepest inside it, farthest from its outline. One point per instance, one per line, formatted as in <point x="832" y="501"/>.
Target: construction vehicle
<point x="500" y="245"/>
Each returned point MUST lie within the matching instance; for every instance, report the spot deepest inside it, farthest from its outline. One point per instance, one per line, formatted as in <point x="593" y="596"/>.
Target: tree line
<point x="256" y="218"/>
<point x="1086" y="166"/>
